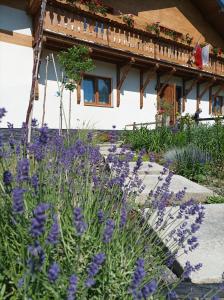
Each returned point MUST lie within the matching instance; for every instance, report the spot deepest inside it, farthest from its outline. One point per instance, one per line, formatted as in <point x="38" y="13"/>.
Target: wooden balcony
<point x="102" y="31"/>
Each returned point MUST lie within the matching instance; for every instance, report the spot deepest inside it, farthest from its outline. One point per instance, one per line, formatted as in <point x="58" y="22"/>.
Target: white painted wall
<point x="15" y="81"/>
<point x="15" y="20"/>
<point x="98" y="117"/>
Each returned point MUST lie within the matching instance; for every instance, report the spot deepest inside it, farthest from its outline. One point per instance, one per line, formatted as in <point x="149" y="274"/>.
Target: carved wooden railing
<point x="101" y="30"/>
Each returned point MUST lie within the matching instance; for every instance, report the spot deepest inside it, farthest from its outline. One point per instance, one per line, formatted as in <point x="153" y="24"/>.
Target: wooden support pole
<point x="198" y="95"/>
<point x="141" y="89"/>
<point x="210" y="100"/>
<point x="144" y="84"/>
<point x="208" y="85"/>
<point x="184" y="95"/>
<point x="78" y="88"/>
<point x="121" y="76"/>
<point x="221" y="88"/>
<point x="170" y="75"/>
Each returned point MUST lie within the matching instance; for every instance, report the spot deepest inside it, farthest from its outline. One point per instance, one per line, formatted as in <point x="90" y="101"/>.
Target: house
<point x="143" y="55"/>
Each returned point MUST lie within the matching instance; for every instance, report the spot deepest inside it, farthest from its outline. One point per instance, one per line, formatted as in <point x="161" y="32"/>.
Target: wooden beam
<point x="144" y="84"/>
<point x="78" y="88"/>
<point x="197" y="95"/>
<point x="208" y="85"/>
<point x="184" y="95"/>
<point x="210" y="100"/>
<point x="33" y="6"/>
<point x="141" y="88"/>
<point x="194" y="82"/>
<point x="170" y="75"/>
<point x="122" y="74"/>
<point x="219" y="91"/>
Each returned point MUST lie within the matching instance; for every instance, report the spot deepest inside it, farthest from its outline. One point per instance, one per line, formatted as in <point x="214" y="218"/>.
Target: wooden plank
<point x="15" y="38"/>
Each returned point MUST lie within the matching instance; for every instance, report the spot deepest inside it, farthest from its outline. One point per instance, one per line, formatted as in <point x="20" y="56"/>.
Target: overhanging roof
<point x="213" y="12"/>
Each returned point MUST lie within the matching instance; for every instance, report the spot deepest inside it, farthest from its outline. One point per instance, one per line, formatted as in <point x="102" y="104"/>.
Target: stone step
<point x="193" y="190"/>
<point x="153" y="169"/>
<point x="210" y="251"/>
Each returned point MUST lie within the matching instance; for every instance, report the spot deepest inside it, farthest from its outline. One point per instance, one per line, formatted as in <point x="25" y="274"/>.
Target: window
<point x="217" y="105"/>
<point x="97" y="91"/>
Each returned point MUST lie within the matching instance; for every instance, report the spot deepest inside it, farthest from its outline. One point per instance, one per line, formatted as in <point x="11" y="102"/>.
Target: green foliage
<point x="207" y="138"/>
<point x="215" y="200"/>
<point x="75" y="62"/>
<point x="190" y="161"/>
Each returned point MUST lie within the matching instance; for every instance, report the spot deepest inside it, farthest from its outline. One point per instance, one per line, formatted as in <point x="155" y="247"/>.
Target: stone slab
<point x="194" y="190"/>
<point x="210" y="251"/>
<point x="145" y="169"/>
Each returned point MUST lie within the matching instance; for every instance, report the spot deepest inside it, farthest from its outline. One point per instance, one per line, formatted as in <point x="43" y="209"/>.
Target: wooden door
<point x="168" y="97"/>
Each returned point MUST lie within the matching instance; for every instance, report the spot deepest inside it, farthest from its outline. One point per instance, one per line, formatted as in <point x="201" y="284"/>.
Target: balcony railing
<point x="102" y="31"/>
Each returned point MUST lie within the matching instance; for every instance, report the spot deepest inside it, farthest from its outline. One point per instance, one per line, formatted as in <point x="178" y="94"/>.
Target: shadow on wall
<point x="12" y="19"/>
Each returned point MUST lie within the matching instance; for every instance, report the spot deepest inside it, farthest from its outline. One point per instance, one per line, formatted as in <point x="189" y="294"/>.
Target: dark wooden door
<point x="168" y="97"/>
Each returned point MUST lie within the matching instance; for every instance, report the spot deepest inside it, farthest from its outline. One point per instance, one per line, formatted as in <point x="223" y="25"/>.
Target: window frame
<point x="220" y="112"/>
<point x="95" y="79"/>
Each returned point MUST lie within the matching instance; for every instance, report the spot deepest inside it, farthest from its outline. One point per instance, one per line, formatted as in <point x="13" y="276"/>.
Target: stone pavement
<point x="211" y="234"/>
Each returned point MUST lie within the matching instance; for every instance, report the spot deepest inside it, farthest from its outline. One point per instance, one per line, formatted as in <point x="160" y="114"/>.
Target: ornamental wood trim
<point x="15" y="38"/>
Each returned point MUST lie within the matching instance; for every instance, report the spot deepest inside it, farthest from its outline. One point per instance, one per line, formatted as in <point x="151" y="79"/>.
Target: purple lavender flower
<point x="139" y="275"/>
<point x="43" y="138"/>
<point x="215" y="298"/>
<point x="108" y="232"/>
<point x="149" y="289"/>
<point x="20" y="283"/>
<point x="7" y="177"/>
<point x="90" y="282"/>
<point x="37" y="257"/>
<point x="72" y="287"/>
<point x="2" y="113"/>
<point x="35" y="182"/>
<point x="18" y="205"/>
<point x="54" y="232"/>
<point x="172" y="295"/>
<point x="100" y="216"/>
<point x="53" y="272"/>
<point x="188" y="269"/>
<point x="79" y="223"/>
<point x="23" y="170"/>
<point x="34" y="123"/>
<point x="38" y="222"/>
<point x="94" y="268"/>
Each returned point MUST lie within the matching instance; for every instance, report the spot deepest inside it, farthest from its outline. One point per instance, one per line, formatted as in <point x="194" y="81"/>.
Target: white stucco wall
<point x="15" y="20"/>
<point x="98" y="117"/>
<point x="15" y="81"/>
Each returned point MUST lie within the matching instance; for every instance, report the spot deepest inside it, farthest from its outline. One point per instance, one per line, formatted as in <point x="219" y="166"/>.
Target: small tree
<point x="75" y="61"/>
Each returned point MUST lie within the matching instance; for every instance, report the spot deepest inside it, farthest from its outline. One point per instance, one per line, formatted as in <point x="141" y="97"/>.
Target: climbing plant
<point x="95" y="6"/>
<point x="75" y="61"/>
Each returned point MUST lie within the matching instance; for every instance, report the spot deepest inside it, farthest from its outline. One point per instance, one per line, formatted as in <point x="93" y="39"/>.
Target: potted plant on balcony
<point x="188" y="39"/>
<point x="95" y="6"/>
<point x="154" y="28"/>
<point x="128" y="19"/>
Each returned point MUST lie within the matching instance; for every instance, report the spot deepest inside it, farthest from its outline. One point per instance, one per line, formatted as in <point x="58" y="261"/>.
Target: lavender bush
<point x="70" y="228"/>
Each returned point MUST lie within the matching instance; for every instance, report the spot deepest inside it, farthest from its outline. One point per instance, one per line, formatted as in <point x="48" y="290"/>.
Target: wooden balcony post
<point x="121" y="76"/>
